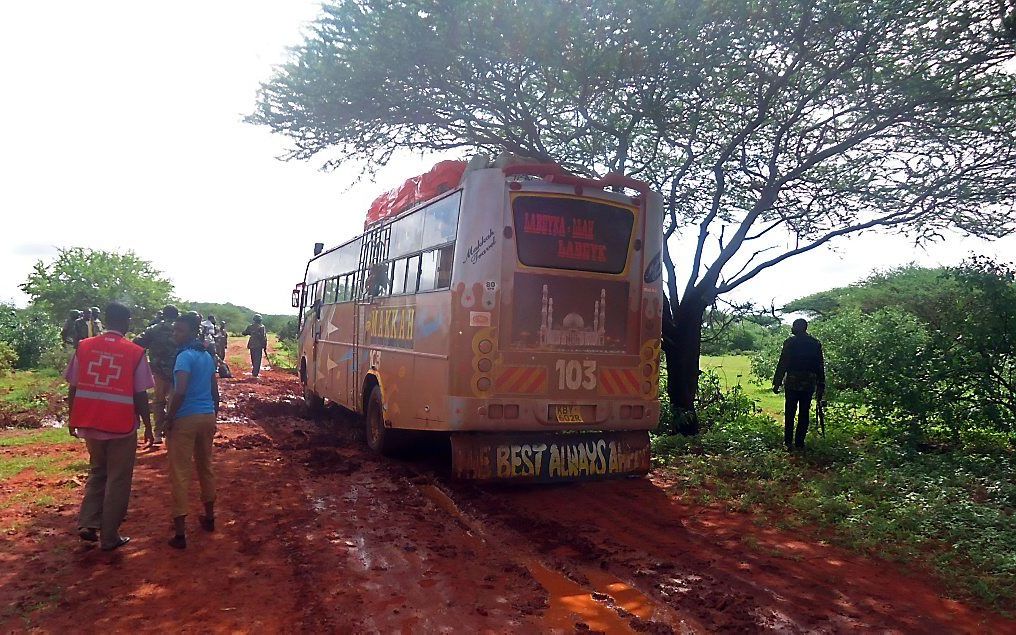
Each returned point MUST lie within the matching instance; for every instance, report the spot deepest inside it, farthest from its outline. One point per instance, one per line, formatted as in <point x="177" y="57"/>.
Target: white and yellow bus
<point x="520" y="312"/>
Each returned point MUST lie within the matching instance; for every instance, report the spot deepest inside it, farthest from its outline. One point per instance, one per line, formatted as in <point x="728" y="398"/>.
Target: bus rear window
<point x="571" y="233"/>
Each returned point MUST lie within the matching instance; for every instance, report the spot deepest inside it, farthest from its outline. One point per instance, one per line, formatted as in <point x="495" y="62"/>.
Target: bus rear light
<point x="484" y="365"/>
<point x="483" y="384"/>
<point x="511" y="411"/>
<point x="647" y="387"/>
<point x="514" y="185"/>
<point x="647" y="370"/>
<point x="626" y="412"/>
<point x="485" y="346"/>
<point x="495" y="411"/>
<point x="637" y="412"/>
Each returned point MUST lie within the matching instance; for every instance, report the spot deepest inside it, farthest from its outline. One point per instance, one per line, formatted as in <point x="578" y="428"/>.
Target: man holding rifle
<point x="801" y="370"/>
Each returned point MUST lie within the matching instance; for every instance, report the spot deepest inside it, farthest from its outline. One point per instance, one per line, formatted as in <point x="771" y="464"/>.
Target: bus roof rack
<point x="554" y="173"/>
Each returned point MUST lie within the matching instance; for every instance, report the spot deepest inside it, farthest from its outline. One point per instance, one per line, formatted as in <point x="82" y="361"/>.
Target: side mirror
<point x="297" y="293"/>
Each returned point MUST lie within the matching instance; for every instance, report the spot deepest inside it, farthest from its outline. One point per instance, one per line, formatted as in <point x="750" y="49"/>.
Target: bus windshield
<point x="561" y="232"/>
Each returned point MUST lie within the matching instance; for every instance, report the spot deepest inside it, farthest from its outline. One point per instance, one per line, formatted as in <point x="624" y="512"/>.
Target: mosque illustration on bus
<point x="573" y="313"/>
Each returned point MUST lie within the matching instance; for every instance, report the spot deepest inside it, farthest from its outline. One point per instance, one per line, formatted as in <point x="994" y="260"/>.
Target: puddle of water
<point x="569" y="601"/>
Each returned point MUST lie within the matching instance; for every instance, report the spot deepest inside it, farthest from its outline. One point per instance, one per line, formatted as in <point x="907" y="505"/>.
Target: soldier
<point x="802" y="365"/>
<point x="158" y="318"/>
<point x="257" y="342"/>
<point x="69" y="332"/>
<point x="221" y="340"/>
<point x="208" y="333"/>
<point x="89" y="324"/>
<point x="158" y="339"/>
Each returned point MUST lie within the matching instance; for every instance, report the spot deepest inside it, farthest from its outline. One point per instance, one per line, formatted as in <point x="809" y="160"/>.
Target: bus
<point x="518" y="312"/>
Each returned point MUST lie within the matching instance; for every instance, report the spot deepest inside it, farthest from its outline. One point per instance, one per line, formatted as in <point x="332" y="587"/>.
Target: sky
<point x="121" y="128"/>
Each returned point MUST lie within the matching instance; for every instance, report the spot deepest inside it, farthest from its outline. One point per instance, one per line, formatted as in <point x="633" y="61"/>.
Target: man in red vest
<point x="108" y="377"/>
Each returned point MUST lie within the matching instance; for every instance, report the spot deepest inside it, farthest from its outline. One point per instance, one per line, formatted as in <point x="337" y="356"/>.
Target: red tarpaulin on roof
<point x="442" y="177"/>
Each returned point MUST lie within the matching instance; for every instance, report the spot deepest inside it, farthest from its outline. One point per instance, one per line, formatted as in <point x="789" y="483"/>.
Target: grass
<point x="28" y="389"/>
<point x="951" y="510"/>
<point x="48" y="436"/>
<point x="735" y="370"/>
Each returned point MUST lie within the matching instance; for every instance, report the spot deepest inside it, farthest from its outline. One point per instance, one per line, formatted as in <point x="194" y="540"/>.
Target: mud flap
<point x="549" y="456"/>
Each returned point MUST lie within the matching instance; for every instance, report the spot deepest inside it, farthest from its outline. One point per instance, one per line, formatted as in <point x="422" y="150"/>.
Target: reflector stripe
<point x="607" y="382"/>
<point x="521" y="379"/>
<point x="627" y="378"/>
<point x="103" y="396"/>
<point x="619" y="381"/>
<point x="538" y="378"/>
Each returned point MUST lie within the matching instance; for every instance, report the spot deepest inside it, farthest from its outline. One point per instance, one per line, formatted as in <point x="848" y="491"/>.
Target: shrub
<point x="8" y="358"/>
<point x="28" y="332"/>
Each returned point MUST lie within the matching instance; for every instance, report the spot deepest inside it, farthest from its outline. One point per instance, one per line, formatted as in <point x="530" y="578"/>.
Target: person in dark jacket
<point x="801" y="371"/>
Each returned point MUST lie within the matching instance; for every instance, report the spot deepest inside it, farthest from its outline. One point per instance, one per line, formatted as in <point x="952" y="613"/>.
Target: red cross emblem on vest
<point x="104" y="370"/>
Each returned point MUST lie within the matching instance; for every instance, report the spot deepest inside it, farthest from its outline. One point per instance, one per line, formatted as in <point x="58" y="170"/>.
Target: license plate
<point x="568" y="414"/>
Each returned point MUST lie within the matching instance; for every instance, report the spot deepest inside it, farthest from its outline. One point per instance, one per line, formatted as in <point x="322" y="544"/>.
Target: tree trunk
<point x="682" y="346"/>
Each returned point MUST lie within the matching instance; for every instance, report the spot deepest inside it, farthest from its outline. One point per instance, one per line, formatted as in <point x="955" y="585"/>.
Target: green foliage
<point x="29" y="333"/>
<point x="726" y="334"/>
<point x="942" y="360"/>
<point x="8" y="358"/>
<point x="950" y="511"/>
<point x="916" y="290"/>
<point x="289" y="329"/>
<point x="80" y="278"/>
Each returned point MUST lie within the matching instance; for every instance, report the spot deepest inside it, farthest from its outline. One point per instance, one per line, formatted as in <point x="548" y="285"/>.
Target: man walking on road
<point x="158" y="339"/>
<point x="108" y="378"/>
<point x="257" y="343"/>
<point x="191" y="425"/>
<point x="801" y="370"/>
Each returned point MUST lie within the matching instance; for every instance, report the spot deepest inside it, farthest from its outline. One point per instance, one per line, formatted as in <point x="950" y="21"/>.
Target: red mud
<point x="316" y="534"/>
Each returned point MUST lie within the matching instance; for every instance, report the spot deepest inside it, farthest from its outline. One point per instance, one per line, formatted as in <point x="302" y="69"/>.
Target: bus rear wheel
<point x="380" y="439"/>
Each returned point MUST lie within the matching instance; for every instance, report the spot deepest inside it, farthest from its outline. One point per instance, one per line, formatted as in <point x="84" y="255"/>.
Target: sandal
<point x="88" y="534"/>
<point x="207" y="522"/>
<point x="121" y="541"/>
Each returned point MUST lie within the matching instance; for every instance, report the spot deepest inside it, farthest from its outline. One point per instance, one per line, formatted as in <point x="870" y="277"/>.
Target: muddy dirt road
<point x="315" y="534"/>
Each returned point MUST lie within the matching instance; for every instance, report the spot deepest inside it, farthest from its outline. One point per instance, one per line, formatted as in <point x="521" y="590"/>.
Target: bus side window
<point x="329" y="291"/>
<point x="412" y="273"/>
<point x="444" y="266"/>
<point x="399" y="277"/>
<point x="428" y="271"/>
<point x="342" y="289"/>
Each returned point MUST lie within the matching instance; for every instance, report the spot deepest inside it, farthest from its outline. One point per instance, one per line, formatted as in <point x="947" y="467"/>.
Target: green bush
<point x="28" y="332"/>
<point x="944" y="368"/>
<point x="8" y="358"/>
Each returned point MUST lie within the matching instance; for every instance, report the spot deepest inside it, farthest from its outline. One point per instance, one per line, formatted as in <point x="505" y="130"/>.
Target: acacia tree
<point x="772" y="128"/>
<point x="80" y="278"/>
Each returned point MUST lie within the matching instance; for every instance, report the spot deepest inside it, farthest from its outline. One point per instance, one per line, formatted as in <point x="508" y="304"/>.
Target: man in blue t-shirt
<point x="190" y="424"/>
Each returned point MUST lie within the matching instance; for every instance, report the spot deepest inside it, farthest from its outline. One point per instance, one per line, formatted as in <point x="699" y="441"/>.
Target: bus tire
<point x="315" y="404"/>
<point x="380" y="439"/>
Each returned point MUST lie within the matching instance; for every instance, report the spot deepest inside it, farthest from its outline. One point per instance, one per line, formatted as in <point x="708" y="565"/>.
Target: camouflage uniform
<point x="158" y="339"/>
<point x="84" y="327"/>
<point x="257" y="344"/>
<point x="69" y="332"/>
<point x="801" y="370"/>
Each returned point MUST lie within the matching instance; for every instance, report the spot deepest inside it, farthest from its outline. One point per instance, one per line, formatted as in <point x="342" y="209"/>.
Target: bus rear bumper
<point x="549" y="456"/>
